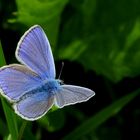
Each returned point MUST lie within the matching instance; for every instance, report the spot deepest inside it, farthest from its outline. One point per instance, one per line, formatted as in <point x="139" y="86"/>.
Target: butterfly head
<point x="61" y="82"/>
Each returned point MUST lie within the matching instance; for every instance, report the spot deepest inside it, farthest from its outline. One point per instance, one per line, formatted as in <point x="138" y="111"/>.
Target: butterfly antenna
<point x="61" y="70"/>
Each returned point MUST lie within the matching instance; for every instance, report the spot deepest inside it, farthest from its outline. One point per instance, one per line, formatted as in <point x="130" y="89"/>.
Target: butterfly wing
<point x="16" y="80"/>
<point x="34" y="106"/>
<point x="69" y="94"/>
<point x="35" y="52"/>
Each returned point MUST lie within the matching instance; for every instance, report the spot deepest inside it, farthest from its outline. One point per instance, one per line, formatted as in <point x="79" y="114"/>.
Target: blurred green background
<point x="99" y="43"/>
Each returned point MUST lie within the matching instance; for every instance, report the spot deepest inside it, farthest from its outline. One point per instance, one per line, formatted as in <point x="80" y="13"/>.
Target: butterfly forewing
<point x="16" y="80"/>
<point x="34" y="51"/>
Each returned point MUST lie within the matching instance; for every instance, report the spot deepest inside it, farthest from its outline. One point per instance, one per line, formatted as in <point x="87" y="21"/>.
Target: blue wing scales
<point x="35" y="52"/>
<point x="69" y="94"/>
<point x="16" y="80"/>
<point x="34" y="106"/>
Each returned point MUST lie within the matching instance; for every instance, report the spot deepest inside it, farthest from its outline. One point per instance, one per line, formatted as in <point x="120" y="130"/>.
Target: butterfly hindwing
<point x="34" y="51"/>
<point x="70" y="94"/>
<point x="34" y="106"/>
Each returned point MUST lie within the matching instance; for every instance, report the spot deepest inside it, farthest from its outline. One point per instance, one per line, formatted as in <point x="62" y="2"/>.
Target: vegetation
<point x="99" y="43"/>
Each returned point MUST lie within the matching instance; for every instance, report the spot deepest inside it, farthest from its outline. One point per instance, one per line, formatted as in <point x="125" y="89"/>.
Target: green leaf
<point x="28" y="132"/>
<point x="45" y="13"/>
<point x="3" y="128"/>
<point x="9" y="114"/>
<point x="94" y="122"/>
<point x="53" y="121"/>
<point x="71" y="49"/>
<point x="2" y="60"/>
<point x="102" y="40"/>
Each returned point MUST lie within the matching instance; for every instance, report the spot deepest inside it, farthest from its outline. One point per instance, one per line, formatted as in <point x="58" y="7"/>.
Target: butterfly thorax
<point x="51" y="86"/>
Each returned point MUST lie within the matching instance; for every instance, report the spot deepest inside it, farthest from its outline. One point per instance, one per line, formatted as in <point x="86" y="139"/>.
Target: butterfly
<point x="31" y="86"/>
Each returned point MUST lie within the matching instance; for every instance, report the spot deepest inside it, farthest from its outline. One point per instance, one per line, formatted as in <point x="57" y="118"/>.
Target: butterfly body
<point x="31" y="86"/>
<point x="48" y="87"/>
<point x="52" y="86"/>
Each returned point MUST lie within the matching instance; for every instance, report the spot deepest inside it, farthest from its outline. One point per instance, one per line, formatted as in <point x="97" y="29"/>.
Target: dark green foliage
<point x="99" y="41"/>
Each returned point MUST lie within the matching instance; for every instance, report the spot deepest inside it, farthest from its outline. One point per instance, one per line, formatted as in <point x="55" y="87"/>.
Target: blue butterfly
<point x="31" y="86"/>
